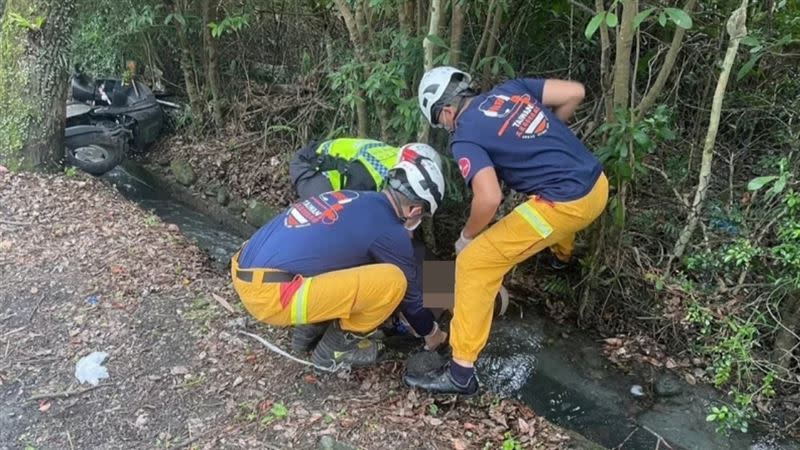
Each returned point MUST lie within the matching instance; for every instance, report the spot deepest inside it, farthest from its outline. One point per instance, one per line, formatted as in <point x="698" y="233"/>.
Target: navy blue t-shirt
<point x="339" y="230"/>
<point x="532" y="151"/>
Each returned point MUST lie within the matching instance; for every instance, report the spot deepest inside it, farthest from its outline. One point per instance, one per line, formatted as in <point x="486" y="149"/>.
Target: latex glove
<point x="502" y="298"/>
<point x="461" y="242"/>
<point x="435" y="338"/>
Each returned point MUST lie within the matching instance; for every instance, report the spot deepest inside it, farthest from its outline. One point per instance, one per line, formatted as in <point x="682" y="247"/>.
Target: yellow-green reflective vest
<point x="376" y="156"/>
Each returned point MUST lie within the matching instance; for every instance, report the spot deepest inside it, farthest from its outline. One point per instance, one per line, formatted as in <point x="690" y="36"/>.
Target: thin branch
<point x="669" y="62"/>
<point x="664" y="175"/>
<point x="18" y="224"/>
<point x="582" y="7"/>
<point x="67" y="394"/>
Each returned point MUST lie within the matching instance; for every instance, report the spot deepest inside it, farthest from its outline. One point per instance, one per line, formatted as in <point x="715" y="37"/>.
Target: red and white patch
<point x="464" y="165"/>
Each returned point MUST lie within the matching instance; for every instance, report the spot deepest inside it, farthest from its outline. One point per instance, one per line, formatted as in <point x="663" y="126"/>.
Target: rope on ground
<point x="279" y="351"/>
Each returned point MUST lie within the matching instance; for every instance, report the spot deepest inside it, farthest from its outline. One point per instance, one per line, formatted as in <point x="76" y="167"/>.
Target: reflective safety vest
<point x="377" y="157"/>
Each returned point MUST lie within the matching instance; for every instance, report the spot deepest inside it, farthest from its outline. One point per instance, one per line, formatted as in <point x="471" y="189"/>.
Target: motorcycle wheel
<point x="95" y="159"/>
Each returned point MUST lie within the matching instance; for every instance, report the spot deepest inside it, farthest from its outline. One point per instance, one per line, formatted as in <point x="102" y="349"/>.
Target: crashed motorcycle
<point x="106" y="120"/>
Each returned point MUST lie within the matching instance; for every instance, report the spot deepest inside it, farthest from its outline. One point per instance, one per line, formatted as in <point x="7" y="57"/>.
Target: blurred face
<point x="447" y="118"/>
<point x="413" y="216"/>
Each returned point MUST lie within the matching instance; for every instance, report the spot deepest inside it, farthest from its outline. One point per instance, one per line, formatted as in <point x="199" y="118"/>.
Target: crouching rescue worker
<point x="516" y="133"/>
<point x="339" y="263"/>
<point x="353" y="164"/>
<point x="349" y="163"/>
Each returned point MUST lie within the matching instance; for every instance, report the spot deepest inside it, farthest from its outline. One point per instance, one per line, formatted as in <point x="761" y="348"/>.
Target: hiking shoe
<point x="440" y="381"/>
<point x="338" y="346"/>
<point x="305" y="337"/>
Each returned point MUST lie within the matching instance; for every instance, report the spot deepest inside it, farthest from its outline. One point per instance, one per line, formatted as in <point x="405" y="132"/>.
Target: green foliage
<point x="628" y="141"/>
<point x="740" y="253"/>
<point x="699" y="316"/>
<point x="33" y="24"/>
<point x="778" y="182"/>
<point x="17" y="109"/>
<point x="230" y="24"/>
<point x="510" y="443"/>
<point x="96" y="45"/>
<point x="734" y="418"/>
<point x="277" y="412"/>
<point x="677" y="16"/>
<point x="759" y="46"/>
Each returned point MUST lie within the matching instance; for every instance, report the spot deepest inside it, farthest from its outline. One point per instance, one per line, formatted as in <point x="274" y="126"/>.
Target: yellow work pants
<point x="361" y="297"/>
<point x="480" y="267"/>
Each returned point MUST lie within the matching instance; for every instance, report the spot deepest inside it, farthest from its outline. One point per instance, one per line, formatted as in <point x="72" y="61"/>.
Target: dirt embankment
<point x="83" y="270"/>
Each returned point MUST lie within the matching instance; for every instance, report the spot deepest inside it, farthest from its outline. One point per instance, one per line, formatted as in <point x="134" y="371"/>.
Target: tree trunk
<point x="605" y="45"/>
<point x="212" y="61"/>
<point x="491" y="45"/>
<point x="427" y="46"/>
<point x="353" y="29"/>
<point x="456" y="32"/>
<point x="787" y="341"/>
<point x="484" y="36"/>
<point x="188" y="66"/>
<point x="433" y="29"/>
<point x="33" y="83"/>
<point x="406" y="16"/>
<point x="622" y="63"/>
<point x="737" y="30"/>
<point x="669" y="62"/>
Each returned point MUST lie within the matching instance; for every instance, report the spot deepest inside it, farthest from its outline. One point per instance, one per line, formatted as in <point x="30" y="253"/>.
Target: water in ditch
<point x="561" y="374"/>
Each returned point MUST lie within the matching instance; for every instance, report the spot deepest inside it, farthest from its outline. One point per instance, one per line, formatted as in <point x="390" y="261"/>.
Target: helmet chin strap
<point x="399" y="210"/>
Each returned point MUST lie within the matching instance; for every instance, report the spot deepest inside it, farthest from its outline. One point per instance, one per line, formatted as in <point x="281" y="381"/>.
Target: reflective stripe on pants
<point x="481" y="266"/>
<point x="361" y="297"/>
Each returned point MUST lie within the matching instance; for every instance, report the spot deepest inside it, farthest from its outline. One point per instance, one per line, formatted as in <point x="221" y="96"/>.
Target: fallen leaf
<point x="223" y="302"/>
<point x="671" y="364"/>
<point x="309" y="378"/>
<point x="179" y="370"/>
<point x="616" y="342"/>
<point x="690" y="379"/>
<point x="434" y="421"/>
<point x="470" y="426"/>
<point x="44" y="405"/>
<point x="523" y="426"/>
<point x="458" y="444"/>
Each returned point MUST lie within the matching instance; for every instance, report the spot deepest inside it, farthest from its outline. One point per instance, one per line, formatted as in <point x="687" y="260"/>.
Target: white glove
<point x="461" y="242"/>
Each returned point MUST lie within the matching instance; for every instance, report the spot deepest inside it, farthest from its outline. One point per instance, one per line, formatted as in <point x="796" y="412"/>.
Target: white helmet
<point x="433" y="85"/>
<point x="413" y="150"/>
<point x="419" y="180"/>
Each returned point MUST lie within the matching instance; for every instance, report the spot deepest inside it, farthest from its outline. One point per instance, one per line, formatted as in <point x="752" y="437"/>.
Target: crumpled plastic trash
<point x="89" y="370"/>
<point x="637" y="390"/>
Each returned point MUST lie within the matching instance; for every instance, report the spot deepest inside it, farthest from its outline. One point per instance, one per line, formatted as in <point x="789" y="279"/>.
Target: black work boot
<point x="305" y="337"/>
<point x="338" y="346"/>
<point x="440" y="381"/>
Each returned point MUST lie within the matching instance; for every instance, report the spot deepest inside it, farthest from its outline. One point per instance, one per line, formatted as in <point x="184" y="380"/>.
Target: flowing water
<point x="561" y="374"/>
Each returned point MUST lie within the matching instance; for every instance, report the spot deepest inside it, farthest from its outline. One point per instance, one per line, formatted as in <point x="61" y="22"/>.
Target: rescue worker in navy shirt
<point x="341" y="262"/>
<point x="516" y="133"/>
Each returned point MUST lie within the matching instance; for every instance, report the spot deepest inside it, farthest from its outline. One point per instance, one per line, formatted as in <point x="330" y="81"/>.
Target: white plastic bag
<point x="89" y="370"/>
